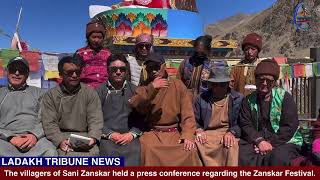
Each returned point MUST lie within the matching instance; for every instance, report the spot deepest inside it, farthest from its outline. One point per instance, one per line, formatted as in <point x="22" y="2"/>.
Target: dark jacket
<point x="203" y="110"/>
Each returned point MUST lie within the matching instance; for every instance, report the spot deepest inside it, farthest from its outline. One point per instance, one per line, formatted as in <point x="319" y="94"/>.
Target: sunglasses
<point x="142" y="46"/>
<point x="71" y="72"/>
<point x="21" y="70"/>
<point x="115" y="69"/>
<point x="262" y="80"/>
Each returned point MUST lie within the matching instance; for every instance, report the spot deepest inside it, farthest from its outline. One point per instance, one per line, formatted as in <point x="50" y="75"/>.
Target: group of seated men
<point x="130" y="107"/>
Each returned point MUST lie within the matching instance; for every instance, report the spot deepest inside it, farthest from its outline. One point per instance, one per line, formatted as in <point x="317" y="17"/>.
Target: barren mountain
<point x="275" y="25"/>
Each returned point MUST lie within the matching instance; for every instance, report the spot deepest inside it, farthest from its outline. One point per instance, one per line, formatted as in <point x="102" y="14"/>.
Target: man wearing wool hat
<point x="242" y="74"/>
<point x="269" y="122"/>
<point x="94" y="56"/>
<point x="21" y="132"/>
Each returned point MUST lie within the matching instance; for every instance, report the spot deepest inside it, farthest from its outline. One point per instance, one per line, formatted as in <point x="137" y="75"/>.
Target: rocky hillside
<point x="280" y="37"/>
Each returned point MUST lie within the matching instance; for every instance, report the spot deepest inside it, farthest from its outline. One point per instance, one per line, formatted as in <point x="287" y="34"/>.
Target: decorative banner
<point x="286" y="70"/>
<point x="134" y="21"/>
<point x="50" y="62"/>
<point x="51" y="75"/>
<point x="299" y="70"/>
<point x="281" y="60"/>
<point x="308" y="70"/>
<point x="6" y="55"/>
<point x="33" y="58"/>
<point x="34" y="79"/>
<point x="302" y="17"/>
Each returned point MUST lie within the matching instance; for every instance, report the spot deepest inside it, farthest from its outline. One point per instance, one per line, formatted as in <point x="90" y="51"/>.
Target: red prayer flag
<point x="299" y="70"/>
<point x="33" y="58"/>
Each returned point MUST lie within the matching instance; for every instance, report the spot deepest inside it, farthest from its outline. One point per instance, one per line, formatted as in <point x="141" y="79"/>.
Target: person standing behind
<point x="21" y="132"/>
<point x="72" y="108"/>
<point x="143" y="48"/>
<point x="94" y="56"/>
<point x="122" y="124"/>
<point x="242" y="74"/>
<point x="194" y="72"/>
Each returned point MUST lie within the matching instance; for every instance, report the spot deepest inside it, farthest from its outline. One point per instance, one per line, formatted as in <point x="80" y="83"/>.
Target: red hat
<point x="253" y="39"/>
<point x="95" y="27"/>
<point x="268" y="67"/>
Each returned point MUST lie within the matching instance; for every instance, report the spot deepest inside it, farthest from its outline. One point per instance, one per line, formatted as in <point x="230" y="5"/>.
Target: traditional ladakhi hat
<point x="95" y="27"/>
<point x="253" y="39"/>
<point x="268" y="67"/>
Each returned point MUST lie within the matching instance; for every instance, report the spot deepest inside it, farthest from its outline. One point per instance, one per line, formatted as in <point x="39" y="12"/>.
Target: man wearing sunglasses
<point x="170" y="123"/>
<point x="21" y="132"/>
<point x="268" y="122"/>
<point x="72" y="108"/>
<point x="143" y="48"/>
<point x="122" y="124"/>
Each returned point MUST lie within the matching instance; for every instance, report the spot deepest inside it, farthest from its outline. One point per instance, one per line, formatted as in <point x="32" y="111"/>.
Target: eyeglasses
<point x="262" y="80"/>
<point x="147" y="46"/>
<point x="21" y="70"/>
<point x="71" y="72"/>
<point x="115" y="69"/>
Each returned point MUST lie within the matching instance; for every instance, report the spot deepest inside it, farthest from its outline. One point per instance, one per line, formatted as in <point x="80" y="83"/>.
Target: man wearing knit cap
<point x="194" y="71"/>
<point x="242" y="74"/>
<point x="94" y="56"/>
<point x="143" y="48"/>
<point x="269" y="122"/>
<point x="21" y="132"/>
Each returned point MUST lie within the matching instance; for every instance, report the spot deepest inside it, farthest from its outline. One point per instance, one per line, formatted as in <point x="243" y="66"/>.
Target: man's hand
<point x="125" y="139"/>
<point x="228" y="140"/>
<point x="264" y="147"/>
<point x="160" y="83"/>
<point x="92" y="142"/>
<point x="18" y="141"/>
<point x="65" y="146"/>
<point x="31" y="141"/>
<point x="188" y="145"/>
<point x="115" y="136"/>
<point x="201" y="137"/>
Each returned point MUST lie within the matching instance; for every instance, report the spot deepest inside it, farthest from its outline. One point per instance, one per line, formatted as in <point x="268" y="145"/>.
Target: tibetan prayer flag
<point x="316" y="69"/>
<point x="33" y="59"/>
<point x="299" y="70"/>
<point x="281" y="60"/>
<point x="308" y="70"/>
<point x="7" y="54"/>
<point x="286" y="70"/>
<point x="51" y="75"/>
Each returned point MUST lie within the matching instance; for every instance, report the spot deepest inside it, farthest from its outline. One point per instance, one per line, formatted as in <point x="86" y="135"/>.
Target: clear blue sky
<point x="59" y="25"/>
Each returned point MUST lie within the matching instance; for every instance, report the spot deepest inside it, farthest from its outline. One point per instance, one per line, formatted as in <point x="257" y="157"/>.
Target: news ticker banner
<point x="102" y="167"/>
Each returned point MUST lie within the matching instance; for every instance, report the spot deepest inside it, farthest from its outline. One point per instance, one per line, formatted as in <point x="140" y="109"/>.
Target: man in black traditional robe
<point x="269" y="122"/>
<point x="121" y="128"/>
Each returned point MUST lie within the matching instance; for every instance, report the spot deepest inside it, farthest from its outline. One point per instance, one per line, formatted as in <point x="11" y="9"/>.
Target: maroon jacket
<point x="94" y="70"/>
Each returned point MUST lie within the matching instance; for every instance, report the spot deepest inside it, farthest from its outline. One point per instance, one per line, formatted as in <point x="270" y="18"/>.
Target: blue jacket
<point x="203" y="110"/>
